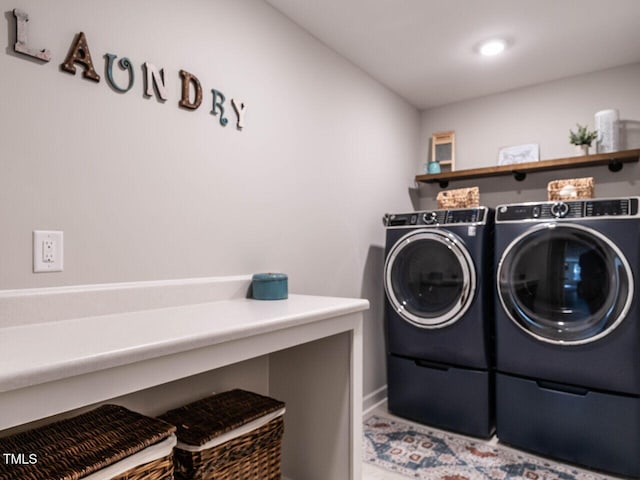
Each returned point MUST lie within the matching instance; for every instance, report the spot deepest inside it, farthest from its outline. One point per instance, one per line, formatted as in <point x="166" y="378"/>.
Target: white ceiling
<point x="425" y="49"/>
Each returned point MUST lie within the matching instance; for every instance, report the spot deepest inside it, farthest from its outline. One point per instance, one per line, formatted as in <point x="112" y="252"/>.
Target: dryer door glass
<point x="565" y="284"/>
<point x="429" y="278"/>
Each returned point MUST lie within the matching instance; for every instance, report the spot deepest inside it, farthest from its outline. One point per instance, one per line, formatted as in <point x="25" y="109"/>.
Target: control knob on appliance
<point x="536" y="211"/>
<point x="430" y="218"/>
<point x="559" y="209"/>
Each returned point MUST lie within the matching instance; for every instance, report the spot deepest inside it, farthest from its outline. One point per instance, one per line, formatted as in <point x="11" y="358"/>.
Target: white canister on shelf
<point x="608" y="126"/>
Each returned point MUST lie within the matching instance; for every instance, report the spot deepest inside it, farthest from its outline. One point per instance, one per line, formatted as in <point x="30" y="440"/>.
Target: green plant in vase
<point x="582" y="138"/>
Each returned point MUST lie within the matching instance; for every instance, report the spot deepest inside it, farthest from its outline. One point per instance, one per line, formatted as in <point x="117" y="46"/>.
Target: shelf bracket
<point x="519" y="176"/>
<point x="615" y="165"/>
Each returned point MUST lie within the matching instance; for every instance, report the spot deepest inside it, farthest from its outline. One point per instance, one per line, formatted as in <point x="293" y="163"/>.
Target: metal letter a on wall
<point x="80" y="53"/>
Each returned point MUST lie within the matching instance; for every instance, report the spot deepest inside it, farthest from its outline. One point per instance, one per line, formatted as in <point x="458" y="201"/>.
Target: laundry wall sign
<point x="154" y="82"/>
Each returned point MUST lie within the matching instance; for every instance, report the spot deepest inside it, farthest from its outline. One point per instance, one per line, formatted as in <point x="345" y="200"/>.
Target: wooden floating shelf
<point x="520" y="170"/>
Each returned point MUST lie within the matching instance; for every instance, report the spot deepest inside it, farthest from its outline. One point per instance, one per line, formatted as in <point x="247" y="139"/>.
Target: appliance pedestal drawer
<point x="446" y="397"/>
<point x="595" y="429"/>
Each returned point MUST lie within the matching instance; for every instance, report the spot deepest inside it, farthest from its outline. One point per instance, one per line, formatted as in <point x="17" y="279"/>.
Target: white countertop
<point x="44" y="352"/>
<point x="67" y="348"/>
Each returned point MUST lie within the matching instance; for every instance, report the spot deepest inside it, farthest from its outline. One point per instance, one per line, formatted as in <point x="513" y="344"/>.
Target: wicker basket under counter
<point x="234" y="435"/>
<point x="108" y="442"/>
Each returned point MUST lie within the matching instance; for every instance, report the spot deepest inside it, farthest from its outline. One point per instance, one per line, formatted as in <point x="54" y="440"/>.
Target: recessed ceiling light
<point x="492" y="47"/>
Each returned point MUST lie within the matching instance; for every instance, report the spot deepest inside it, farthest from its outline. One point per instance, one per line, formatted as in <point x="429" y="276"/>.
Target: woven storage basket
<point x="79" y="447"/>
<point x="459" y="198"/>
<point x="234" y="435"/>
<point x="570" y="189"/>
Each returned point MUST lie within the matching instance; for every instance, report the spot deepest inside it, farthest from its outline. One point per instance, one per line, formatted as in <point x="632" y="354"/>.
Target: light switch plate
<point x="48" y="251"/>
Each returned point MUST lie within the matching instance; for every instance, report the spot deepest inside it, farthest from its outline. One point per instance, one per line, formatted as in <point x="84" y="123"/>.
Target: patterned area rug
<point x="426" y="454"/>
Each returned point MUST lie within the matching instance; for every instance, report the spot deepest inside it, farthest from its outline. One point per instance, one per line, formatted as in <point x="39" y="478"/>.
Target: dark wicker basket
<point x="250" y="456"/>
<point x="76" y="447"/>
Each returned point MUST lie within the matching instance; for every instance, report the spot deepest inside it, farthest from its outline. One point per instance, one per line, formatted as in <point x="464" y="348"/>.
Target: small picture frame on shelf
<point x="529" y="152"/>
<point x="443" y="149"/>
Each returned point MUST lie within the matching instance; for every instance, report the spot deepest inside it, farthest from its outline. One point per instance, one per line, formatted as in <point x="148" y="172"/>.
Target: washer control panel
<point x="606" y="208"/>
<point x="434" y="218"/>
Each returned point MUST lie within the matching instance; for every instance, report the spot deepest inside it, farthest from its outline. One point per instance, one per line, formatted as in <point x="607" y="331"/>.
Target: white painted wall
<point x="144" y="190"/>
<point x="541" y="114"/>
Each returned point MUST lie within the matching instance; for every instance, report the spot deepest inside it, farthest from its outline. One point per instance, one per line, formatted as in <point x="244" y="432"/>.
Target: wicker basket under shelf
<point x="74" y="448"/>
<point x="570" y="189"/>
<point x="234" y="435"/>
<point x="459" y="198"/>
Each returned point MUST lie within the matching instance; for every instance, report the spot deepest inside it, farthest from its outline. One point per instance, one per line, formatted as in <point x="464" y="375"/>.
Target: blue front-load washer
<point x="437" y="279"/>
<point x="568" y="331"/>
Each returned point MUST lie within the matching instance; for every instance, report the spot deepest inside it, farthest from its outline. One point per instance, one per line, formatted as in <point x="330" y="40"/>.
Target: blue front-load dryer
<point x="568" y="330"/>
<point x="438" y="285"/>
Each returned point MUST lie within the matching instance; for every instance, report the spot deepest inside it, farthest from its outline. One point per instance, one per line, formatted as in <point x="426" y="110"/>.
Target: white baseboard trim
<point x="374" y="399"/>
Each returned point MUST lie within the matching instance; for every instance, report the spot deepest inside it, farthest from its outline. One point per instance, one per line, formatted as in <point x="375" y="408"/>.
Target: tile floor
<point x="370" y="472"/>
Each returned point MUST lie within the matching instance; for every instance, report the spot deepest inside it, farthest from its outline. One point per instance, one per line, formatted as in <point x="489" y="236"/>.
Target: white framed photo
<point x="529" y="152"/>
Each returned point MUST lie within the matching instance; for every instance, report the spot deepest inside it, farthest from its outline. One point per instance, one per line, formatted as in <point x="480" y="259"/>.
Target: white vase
<point x="582" y="149"/>
<point x="608" y="126"/>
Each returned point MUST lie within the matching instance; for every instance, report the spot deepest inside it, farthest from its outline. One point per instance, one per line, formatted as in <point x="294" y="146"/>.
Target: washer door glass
<point x="429" y="278"/>
<point x="565" y="284"/>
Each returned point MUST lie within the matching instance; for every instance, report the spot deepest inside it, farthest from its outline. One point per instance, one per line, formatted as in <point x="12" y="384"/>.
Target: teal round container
<point x="433" y="167"/>
<point x="269" y="286"/>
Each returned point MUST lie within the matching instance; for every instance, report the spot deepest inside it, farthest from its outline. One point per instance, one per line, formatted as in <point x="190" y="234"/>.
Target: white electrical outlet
<point x="48" y="251"/>
<point x="48" y="256"/>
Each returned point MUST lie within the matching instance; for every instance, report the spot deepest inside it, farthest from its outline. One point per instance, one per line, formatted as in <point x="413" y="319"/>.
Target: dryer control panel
<point x="605" y="208"/>
<point x="473" y="216"/>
